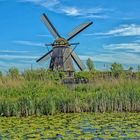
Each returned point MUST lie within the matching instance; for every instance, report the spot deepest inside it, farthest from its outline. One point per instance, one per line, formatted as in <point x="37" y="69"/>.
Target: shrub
<point x="13" y="73"/>
<point x="116" y="69"/>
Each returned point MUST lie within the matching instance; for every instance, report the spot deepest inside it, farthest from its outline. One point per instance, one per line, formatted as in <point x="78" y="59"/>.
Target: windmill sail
<point x="78" y="29"/>
<point x="50" y="27"/>
<point x="45" y="57"/>
<point x="77" y="61"/>
<point x="67" y="60"/>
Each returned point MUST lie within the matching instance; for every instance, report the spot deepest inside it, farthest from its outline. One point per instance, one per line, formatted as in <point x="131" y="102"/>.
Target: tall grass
<point x="40" y="92"/>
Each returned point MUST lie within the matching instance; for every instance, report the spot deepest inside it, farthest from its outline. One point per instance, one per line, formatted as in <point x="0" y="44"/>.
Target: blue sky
<point x="114" y="36"/>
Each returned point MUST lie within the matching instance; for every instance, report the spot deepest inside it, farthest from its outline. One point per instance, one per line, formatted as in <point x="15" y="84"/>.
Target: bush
<point x="116" y="69"/>
<point x="13" y="73"/>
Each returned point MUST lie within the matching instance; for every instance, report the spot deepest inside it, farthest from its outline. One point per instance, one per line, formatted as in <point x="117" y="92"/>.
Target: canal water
<point x="79" y="126"/>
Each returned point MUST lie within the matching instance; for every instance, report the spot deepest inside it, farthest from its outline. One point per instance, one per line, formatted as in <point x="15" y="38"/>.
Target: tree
<point x="138" y="68"/>
<point x="116" y="69"/>
<point x="90" y="64"/>
<point x="0" y="74"/>
<point x="138" y="71"/>
<point x="130" y="69"/>
<point x="13" y="72"/>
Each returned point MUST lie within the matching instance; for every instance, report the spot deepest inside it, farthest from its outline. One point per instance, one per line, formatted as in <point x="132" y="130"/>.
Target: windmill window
<point x="62" y="42"/>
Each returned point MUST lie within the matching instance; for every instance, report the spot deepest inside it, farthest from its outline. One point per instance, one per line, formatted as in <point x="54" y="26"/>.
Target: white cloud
<point x="71" y="11"/>
<point x="28" y="43"/>
<point x="128" y="47"/>
<point x="49" y="3"/>
<point x="110" y="56"/>
<point x="137" y="41"/>
<point x="44" y="35"/>
<point x="121" y="53"/>
<point x="85" y="12"/>
<point x="11" y="51"/>
<point x="45" y="3"/>
<point x="123" y="58"/>
<point x="4" y="66"/>
<point x="123" y="30"/>
<point x="9" y="57"/>
<point x="85" y="57"/>
<point x="57" y="7"/>
<point x="35" y="1"/>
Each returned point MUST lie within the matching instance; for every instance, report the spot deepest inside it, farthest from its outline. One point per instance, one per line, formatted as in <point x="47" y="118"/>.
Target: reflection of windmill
<point x="61" y="54"/>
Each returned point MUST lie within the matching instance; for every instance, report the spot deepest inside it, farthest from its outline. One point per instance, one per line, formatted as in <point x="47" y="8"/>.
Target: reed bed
<point x="28" y="95"/>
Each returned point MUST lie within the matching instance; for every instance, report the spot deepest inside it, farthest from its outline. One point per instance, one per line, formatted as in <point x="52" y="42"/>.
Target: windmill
<point x="62" y="55"/>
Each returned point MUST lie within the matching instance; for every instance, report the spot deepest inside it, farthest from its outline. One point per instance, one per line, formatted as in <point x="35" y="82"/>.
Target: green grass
<point x="41" y="93"/>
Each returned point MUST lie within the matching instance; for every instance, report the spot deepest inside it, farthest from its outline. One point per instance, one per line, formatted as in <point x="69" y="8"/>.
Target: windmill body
<point x="62" y="55"/>
<point x="60" y="59"/>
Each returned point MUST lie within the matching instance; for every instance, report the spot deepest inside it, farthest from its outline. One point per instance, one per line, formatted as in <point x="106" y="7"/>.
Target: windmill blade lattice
<point x="50" y="27"/>
<point x="78" y="29"/>
<point x="77" y="61"/>
<point x="45" y="57"/>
